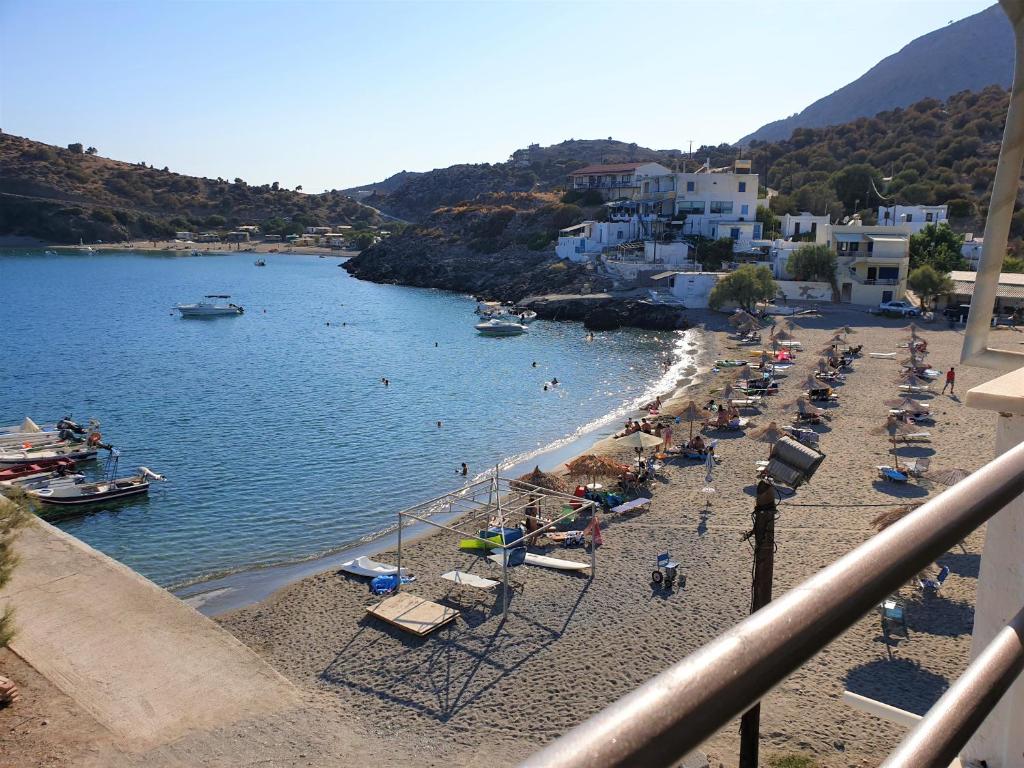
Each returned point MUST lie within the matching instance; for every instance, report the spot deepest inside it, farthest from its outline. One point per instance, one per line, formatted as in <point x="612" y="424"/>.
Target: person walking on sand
<point x="950" y="380"/>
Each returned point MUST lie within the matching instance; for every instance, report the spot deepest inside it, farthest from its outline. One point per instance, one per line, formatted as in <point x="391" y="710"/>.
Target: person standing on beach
<point x="950" y="380"/>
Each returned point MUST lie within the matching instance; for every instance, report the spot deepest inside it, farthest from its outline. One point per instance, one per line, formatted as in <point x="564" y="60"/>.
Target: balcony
<point x="604" y="184"/>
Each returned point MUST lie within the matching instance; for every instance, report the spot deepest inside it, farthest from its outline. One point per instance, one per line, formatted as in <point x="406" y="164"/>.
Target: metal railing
<point x="676" y="711"/>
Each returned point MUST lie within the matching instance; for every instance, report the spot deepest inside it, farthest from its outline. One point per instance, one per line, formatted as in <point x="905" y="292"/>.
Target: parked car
<point x="904" y="308"/>
<point x="957" y="312"/>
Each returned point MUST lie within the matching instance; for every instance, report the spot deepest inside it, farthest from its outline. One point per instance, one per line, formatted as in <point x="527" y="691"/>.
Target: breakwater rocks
<point x="603" y="312"/>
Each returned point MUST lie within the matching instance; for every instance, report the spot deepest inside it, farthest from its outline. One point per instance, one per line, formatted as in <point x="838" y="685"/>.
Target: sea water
<point x="277" y="435"/>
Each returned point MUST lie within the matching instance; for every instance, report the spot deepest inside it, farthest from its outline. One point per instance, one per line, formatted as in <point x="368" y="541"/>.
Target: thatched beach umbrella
<point x="950" y="476"/>
<point x="543" y="480"/>
<point x="770" y="434"/>
<point x="911" y="379"/>
<point x="593" y="467"/>
<point x="837" y="338"/>
<point x="741" y="316"/>
<point x="893" y="427"/>
<point x="810" y="382"/>
<point x="883" y="520"/>
<point x="847" y="330"/>
<point x="727" y="391"/>
<point x="691" y="413"/>
<point x="905" y="404"/>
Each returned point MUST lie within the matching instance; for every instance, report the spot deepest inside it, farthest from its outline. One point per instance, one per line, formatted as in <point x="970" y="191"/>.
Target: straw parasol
<point x="741" y="316"/>
<point x="790" y="324"/>
<point x="803" y="406"/>
<point x="593" y="467"/>
<point x="543" y="480"/>
<point x="691" y="413"/>
<point x="883" y="520"/>
<point x="639" y="441"/>
<point x="950" y="476"/>
<point x="904" y="404"/>
<point x="893" y="427"/>
<point x="727" y="391"/>
<point x="768" y="434"/>
<point x="810" y="382"/>
<point x="823" y="366"/>
<point x="837" y="338"/>
<point x="911" y="379"/>
<point x="847" y="330"/>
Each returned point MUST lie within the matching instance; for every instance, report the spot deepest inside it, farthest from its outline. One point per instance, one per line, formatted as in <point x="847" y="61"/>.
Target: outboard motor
<point x="66" y="424"/>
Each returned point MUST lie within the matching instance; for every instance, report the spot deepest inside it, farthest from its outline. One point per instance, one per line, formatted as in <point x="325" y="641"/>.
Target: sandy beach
<point x="182" y="248"/>
<point x="489" y="689"/>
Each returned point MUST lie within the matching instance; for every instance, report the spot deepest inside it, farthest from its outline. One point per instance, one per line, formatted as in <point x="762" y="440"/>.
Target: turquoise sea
<point x="278" y="438"/>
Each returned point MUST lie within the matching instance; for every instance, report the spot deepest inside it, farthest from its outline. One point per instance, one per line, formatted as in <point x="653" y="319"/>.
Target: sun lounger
<point x="364" y="566"/>
<point x="464" y="579"/>
<point x="882" y="355"/>
<point x="934" y="585"/>
<point x="630" y="506"/>
<point x="892" y="475"/>
<point x="917" y="467"/>
<point x="918" y="437"/>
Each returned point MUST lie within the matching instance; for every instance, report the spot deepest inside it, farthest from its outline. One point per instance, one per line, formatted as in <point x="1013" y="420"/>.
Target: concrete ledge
<point x="144" y="664"/>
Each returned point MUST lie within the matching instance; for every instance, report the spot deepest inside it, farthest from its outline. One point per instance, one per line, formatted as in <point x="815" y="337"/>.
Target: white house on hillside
<point x="720" y="204"/>
<point x="585" y="241"/>
<point x="799" y="224"/>
<point x="616" y="180"/>
<point x="971" y="250"/>
<point x="916" y="217"/>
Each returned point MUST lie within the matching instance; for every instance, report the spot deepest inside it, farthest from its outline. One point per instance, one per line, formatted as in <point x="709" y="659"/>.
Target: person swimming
<point x="464" y="470"/>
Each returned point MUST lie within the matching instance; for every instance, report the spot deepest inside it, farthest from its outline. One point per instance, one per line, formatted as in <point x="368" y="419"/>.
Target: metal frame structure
<point x="676" y="711"/>
<point x="467" y="511"/>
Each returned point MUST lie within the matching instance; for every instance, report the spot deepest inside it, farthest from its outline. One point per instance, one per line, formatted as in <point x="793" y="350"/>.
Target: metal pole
<point x="951" y="721"/>
<point x="760" y="596"/>
<point x="398" y="586"/>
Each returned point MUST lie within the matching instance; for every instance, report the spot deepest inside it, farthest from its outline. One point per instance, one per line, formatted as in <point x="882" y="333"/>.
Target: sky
<point x="330" y="95"/>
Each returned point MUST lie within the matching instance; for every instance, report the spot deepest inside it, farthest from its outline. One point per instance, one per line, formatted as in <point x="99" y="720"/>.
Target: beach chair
<point x="934" y="585"/>
<point x="636" y="505"/>
<point x="893" y="612"/>
<point x="917" y="437"/>
<point x="821" y="395"/>
<point x="892" y="475"/>
<point x="806" y="436"/>
<point x="917" y="467"/>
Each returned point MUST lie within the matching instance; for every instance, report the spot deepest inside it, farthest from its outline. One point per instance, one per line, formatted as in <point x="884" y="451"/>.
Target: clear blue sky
<point x="334" y="94"/>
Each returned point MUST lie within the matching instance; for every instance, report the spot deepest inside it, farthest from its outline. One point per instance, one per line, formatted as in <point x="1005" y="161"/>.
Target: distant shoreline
<point x="176" y="246"/>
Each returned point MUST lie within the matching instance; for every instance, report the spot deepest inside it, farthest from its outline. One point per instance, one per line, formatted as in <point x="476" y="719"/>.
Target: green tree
<point x="713" y="253"/>
<point x="938" y="246"/>
<point x="769" y="222"/>
<point x="746" y="286"/>
<point x="91" y="151"/>
<point x="363" y="241"/>
<point x="76" y="148"/>
<point x="928" y="283"/>
<point x="853" y="185"/>
<point x="1013" y="264"/>
<point x="814" y="262"/>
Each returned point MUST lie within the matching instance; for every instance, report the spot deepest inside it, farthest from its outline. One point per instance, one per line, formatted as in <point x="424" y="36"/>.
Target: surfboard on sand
<point x="543" y="561"/>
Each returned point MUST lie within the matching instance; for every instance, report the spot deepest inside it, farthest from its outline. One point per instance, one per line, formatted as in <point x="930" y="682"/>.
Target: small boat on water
<point x="10" y="457"/>
<point x="261" y="262"/>
<point x="69" y="492"/>
<point x="526" y="316"/>
<point x="207" y="308"/>
<point x="36" y="470"/>
<point x="497" y="327"/>
<point x="28" y="434"/>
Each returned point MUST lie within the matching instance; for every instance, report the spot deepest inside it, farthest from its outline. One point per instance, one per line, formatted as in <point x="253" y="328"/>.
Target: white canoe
<point x="546" y="562"/>
<point x="364" y="566"/>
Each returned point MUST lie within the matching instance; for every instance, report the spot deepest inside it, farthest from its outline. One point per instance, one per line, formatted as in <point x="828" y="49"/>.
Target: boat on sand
<point x="364" y="566"/>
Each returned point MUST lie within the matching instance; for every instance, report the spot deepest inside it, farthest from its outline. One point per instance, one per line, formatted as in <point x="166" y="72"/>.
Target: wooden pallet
<point x="412" y="614"/>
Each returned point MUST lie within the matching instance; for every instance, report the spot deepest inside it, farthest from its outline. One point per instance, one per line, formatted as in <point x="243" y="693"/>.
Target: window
<point x="928" y="216"/>
<point x="842" y="245"/>
<point x="871" y="247"/>
<point x="743" y="186"/>
<point x="691" y="206"/>
<point x="796" y="228"/>
<point x="744" y="210"/>
<point x="854" y="247"/>
<point x="734" y="233"/>
<point x="888" y="273"/>
<point x="626" y="178"/>
<point x="619" y="234"/>
<point x="910" y="217"/>
<point x="721" y="206"/>
<point x="690" y="186"/>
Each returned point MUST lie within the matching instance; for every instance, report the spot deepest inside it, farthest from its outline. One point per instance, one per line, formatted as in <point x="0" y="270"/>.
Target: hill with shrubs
<point x="966" y="55"/>
<point x="63" y="195"/>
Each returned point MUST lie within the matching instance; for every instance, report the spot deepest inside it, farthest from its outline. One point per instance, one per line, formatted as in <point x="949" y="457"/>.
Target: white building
<point x="872" y="262"/>
<point x="720" y="203"/>
<point x="971" y="250"/>
<point x="585" y="241"/>
<point x="916" y="217"/>
<point x="616" y="180"/>
<point x="186" y="236"/>
<point x="798" y="225"/>
<point x="689" y="289"/>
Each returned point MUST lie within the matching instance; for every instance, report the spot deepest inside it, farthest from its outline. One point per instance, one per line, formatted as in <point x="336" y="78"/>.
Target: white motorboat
<point x="72" y="493"/>
<point x="526" y="316"/>
<point x="497" y="327"/>
<point x="209" y="307"/>
<point x="77" y="452"/>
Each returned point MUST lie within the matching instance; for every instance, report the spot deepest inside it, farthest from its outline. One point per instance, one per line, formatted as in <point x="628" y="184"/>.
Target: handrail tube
<point x="674" y="712"/>
<point x="952" y="720"/>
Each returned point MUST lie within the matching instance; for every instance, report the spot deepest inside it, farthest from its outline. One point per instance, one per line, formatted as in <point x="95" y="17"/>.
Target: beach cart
<point x="665" y="571"/>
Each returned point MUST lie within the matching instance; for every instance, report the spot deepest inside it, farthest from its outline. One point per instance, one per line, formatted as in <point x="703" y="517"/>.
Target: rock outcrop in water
<point x="606" y="313"/>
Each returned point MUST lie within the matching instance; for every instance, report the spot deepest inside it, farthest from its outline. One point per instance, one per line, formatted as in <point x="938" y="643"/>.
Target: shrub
<point x="103" y="217"/>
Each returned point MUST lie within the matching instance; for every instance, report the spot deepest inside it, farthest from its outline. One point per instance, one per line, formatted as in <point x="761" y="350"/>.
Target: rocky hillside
<point x="499" y="246"/>
<point x="535" y="169"/>
<point x="64" y="195"/>
<point x="964" y="56"/>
